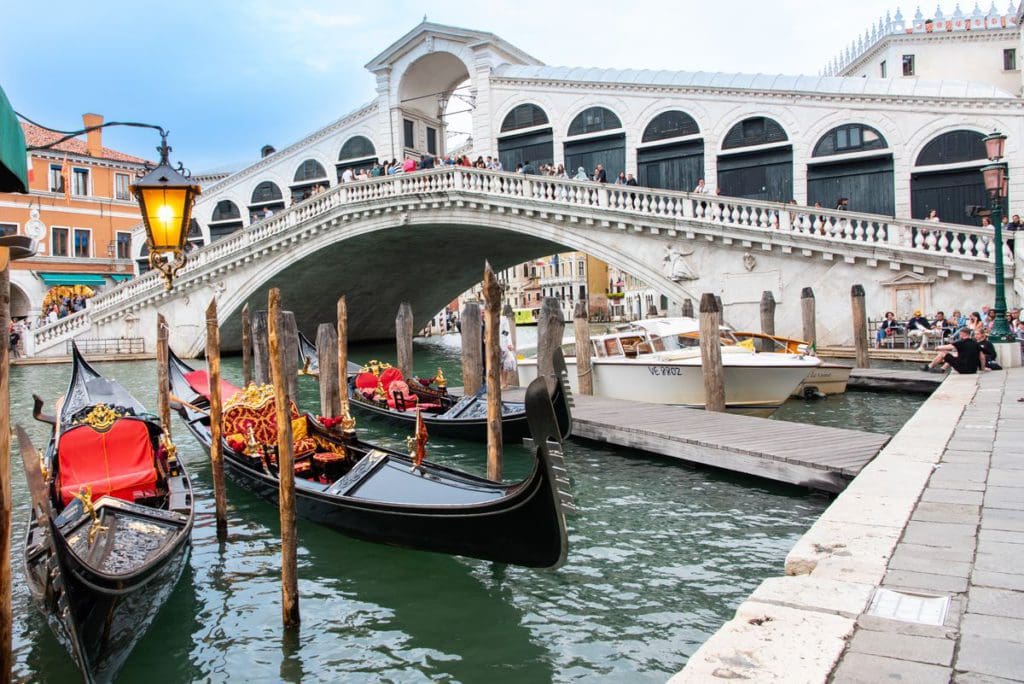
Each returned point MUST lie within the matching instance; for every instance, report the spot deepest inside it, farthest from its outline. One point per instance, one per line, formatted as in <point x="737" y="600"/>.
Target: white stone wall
<point x="946" y="56"/>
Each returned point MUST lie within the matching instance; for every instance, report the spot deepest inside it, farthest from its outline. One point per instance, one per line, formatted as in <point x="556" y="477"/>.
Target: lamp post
<point x="996" y="185"/>
<point x="166" y="196"/>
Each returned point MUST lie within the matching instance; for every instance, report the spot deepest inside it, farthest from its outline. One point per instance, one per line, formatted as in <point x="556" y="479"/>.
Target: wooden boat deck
<point x="813" y="456"/>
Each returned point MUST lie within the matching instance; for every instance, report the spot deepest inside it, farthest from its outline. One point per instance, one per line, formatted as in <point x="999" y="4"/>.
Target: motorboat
<point x="826" y="379"/>
<point x="658" y="360"/>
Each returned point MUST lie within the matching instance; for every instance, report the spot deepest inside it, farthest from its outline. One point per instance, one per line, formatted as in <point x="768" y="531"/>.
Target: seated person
<point x="888" y="327"/>
<point x="920" y="328"/>
<point x="941" y="328"/>
<point x="963" y="355"/>
<point x="981" y="337"/>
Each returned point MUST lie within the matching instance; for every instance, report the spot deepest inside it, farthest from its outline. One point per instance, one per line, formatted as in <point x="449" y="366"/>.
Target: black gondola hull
<point x="514" y="429"/>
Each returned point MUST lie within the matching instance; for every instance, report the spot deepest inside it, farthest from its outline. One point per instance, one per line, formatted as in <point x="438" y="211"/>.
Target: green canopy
<point x="121" y="277"/>
<point x="13" y="159"/>
<point x="90" y="279"/>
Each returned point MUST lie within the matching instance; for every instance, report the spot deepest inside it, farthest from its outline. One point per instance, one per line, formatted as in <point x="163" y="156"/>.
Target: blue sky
<point x="228" y="77"/>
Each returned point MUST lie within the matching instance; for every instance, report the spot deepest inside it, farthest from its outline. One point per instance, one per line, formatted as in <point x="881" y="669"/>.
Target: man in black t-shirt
<point x="963" y="355"/>
<point x="987" y="350"/>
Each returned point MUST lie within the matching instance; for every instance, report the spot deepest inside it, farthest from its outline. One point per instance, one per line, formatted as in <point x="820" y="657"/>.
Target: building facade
<point x="82" y="213"/>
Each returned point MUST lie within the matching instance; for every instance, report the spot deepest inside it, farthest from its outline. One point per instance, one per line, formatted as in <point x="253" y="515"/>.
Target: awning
<point x="121" y="277"/>
<point x="13" y="158"/>
<point x="55" y="279"/>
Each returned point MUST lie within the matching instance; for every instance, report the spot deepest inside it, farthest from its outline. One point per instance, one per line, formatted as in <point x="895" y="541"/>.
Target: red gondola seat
<point x="199" y="380"/>
<point x="118" y="462"/>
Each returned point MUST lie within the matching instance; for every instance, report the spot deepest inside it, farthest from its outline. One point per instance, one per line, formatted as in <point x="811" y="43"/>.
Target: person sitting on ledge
<point x="987" y="350"/>
<point x="964" y="355"/>
<point x="890" y="326"/>
<point x="919" y="326"/>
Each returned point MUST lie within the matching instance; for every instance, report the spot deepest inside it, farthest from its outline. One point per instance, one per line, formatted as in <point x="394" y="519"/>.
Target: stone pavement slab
<point x="1011" y="498"/>
<point x="999" y="580"/>
<point x="924" y="582"/>
<point x="985" y="655"/>
<point x="916" y="648"/>
<point x="860" y="668"/>
<point x="929" y="511"/>
<point x="999" y="602"/>
<point x="956" y="496"/>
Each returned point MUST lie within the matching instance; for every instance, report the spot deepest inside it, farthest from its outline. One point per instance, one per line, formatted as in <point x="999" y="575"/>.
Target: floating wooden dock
<point x="811" y="456"/>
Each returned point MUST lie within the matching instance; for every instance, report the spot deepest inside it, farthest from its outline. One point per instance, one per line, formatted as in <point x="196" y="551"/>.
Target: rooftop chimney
<point x="93" y="139"/>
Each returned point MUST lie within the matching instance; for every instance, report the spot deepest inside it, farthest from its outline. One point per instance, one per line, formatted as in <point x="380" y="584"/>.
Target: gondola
<point x="111" y="520"/>
<point x="380" y="390"/>
<point x="309" y="361"/>
<point x="380" y="495"/>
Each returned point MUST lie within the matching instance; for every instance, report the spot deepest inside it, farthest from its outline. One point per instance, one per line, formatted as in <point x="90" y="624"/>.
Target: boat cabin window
<point x="630" y="344"/>
<point x="611" y="347"/>
<point x="598" y="348"/>
<point x="683" y="341"/>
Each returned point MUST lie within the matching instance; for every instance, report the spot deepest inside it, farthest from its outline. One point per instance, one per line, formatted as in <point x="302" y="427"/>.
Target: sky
<point x="226" y="78"/>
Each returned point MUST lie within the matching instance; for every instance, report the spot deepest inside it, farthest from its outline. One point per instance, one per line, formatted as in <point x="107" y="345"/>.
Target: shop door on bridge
<point x="358" y="154"/>
<point x="526" y="136"/>
<point x="950" y="191"/>
<point x="865" y="181"/>
<point x="676" y="162"/>
<point x="762" y="174"/>
<point x="607" y="150"/>
<point x="226" y="220"/>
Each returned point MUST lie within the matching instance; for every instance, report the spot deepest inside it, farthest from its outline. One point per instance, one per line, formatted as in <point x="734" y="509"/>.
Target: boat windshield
<point x="676" y="342"/>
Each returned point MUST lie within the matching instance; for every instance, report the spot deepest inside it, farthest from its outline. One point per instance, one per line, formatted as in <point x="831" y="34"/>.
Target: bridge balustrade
<point x="818" y="228"/>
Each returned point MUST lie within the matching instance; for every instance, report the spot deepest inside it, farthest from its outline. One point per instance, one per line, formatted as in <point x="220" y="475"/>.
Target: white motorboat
<point x="658" y="360"/>
<point x="828" y="378"/>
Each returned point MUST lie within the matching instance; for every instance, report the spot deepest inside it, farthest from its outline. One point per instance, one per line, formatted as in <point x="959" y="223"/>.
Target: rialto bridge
<point x="423" y="238"/>
<point x="895" y="147"/>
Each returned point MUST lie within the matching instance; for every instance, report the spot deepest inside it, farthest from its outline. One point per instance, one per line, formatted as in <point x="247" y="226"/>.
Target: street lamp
<point x="996" y="184"/>
<point x="166" y="197"/>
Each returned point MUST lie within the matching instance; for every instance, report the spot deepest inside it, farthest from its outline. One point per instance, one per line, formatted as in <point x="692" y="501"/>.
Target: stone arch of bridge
<point x="427" y="258"/>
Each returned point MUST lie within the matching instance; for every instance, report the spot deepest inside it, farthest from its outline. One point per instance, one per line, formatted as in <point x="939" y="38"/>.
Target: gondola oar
<point x="43" y="513"/>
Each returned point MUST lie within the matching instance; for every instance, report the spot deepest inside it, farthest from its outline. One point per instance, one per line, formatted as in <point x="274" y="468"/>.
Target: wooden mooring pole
<point x="403" y="340"/>
<point x="246" y="347"/>
<point x="550" y="331"/>
<point x="584" y="369"/>
<point x="492" y="342"/>
<point x="342" y="369"/>
<point x="860" y="326"/>
<point x="711" y="353"/>
<point x="767" y="319"/>
<point x="6" y="614"/>
<point x="285" y="461"/>
<point x="163" y="381"/>
<point x="472" y="354"/>
<point x="512" y="377"/>
<point x="216" y="424"/>
<point x="288" y="336"/>
<point x="260" y="350"/>
<point x="807" y="315"/>
<point x="327" y="353"/>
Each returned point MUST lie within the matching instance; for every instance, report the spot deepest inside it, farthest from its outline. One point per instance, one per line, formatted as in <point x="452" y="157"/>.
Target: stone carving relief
<point x="749" y="261"/>
<point x="674" y="264"/>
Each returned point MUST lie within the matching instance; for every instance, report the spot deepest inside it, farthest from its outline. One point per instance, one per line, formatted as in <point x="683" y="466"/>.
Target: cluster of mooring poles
<point x="269" y="356"/>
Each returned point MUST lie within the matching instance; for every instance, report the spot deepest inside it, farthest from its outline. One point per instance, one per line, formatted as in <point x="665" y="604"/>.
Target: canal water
<point x="660" y="556"/>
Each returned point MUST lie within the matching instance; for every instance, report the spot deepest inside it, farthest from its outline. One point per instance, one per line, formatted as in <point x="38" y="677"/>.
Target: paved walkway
<point x="965" y="539"/>
<point x="939" y="513"/>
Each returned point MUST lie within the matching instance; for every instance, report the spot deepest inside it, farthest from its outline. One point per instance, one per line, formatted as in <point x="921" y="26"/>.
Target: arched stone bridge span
<point x="423" y="238"/>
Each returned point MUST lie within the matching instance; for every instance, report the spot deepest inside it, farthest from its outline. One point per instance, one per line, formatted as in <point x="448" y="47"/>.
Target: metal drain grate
<point x="897" y="605"/>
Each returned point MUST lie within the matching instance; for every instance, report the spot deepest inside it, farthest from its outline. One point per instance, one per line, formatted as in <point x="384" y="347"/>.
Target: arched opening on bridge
<point x="671" y="152"/>
<point x="357" y="153"/>
<point x="596" y="137"/>
<point x="433" y="88"/>
<point x="266" y="199"/>
<point x="310" y="174"/>
<point x="949" y="190"/>
<point x="861" y="171"/>
<point x="21" y="306"/>
<point x="226" y="220"/>
<point x="526" y="135"/>
<point x="762" y="173"/>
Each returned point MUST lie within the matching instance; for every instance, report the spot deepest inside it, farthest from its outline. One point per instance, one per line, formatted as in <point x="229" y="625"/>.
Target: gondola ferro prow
<point x="37" y="411"/>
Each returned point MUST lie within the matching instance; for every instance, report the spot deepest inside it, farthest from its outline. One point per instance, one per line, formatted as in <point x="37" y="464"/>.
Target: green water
<point x="660" y="556"/>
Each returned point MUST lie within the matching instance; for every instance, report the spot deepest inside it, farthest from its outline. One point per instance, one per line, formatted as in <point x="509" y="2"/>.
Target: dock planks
<point x="813" y="456"/>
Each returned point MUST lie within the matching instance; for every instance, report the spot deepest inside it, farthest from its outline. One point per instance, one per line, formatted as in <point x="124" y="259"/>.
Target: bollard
<point x="860" y="326"/>
<point x="807" y="315"/>
<point x="285" y="461"/>
<point x="260" y="349"/>
<point x="403" y="340"/>
<point x="327" y="355"/>
<point x="216" y="424"/>
<point x="584" y="369"/>
<point x="472" y="354"/>
<point x="492" y="342"/>
<point x="288" y="335"/>
<point x="711" y="353"/>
